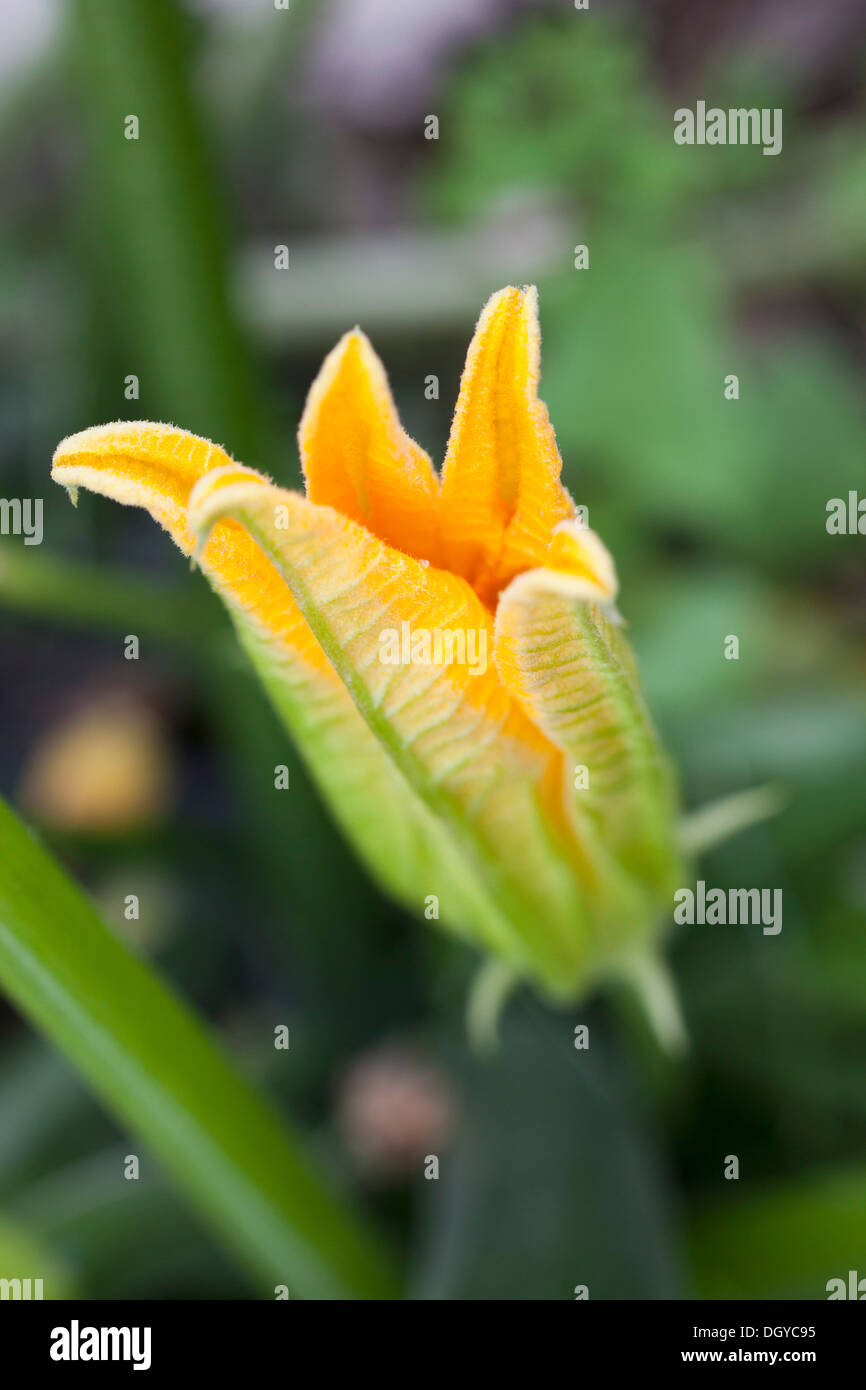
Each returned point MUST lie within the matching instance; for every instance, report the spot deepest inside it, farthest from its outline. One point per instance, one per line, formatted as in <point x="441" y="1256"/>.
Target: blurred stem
<point x="490" y="991"/>
<point x="720" y="820"/>
<point x="63" y="590"/>
<point x="156" y="223"/>
<point x="651" y="981"/>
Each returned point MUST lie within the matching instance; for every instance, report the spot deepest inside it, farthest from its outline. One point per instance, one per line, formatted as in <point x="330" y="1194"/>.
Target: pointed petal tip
<point x="352" y="338"/>
<point x="351" y="353"/>
<point x="578" y="566"/>
<point x="70" y="449"/>
<point x="356" y="351"/>
<point x="521" y="297"/>
<point x="122" y="449"/>
<point x="355" y="454"/>
<point x="140" y="463"/>
<point x="577" y="550"/>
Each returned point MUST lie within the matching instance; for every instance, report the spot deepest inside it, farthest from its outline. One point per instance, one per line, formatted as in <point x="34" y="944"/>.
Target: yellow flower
<point x="446" y="653"/>
<point x="104" y="769"/>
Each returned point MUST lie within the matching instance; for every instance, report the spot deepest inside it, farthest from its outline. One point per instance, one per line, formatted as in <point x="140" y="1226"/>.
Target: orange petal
<point x="155" y="466"/>
<point x="501" y="492"/>
<point x="582" y="561"/>
<point x="357" y="457"/>
<point x="139" y="464"/>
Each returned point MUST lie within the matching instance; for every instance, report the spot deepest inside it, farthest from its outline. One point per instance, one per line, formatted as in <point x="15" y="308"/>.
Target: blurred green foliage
<point x="602" y="1167"/>
<point x="152" y="1063"/>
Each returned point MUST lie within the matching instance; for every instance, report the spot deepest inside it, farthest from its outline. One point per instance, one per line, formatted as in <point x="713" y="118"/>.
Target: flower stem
<point x="652" y="983"/>
<point x="718" y="821"/>
<point x="488" y="996"/>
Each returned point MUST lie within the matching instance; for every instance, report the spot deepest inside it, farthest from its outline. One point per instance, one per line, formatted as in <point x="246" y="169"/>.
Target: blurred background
<point x="137" y="279"/>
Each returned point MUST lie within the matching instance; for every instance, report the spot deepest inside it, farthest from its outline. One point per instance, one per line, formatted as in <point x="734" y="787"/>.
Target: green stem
<point x="651" y="981"/>
<point x="717" y="822"/>
<point x="491" y="989"/>
<point x="43" y="586"/>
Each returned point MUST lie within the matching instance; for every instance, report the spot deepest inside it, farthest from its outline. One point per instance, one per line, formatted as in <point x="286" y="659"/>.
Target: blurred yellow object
<point x="104" y="768"/>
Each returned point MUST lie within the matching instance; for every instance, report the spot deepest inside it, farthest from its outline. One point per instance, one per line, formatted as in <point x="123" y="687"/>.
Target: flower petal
<point x="139" y="464"/>
<point x="573" y="672"/>
<point x="461" y="742"/>
<point x="501" y="492"/>
<point x="582" y="561"/>
<point x="155" y="466"/>
<point x="358" y="458"/>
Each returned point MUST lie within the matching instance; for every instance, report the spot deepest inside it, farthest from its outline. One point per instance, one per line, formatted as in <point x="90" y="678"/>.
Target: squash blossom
<point x="445" y="651"/>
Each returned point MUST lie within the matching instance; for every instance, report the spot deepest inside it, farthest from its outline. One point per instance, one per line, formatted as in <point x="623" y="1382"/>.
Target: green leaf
<point x="24" y="1258"/>
<point x="784" y="1243"/>
<point x="154" y="1065"/>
